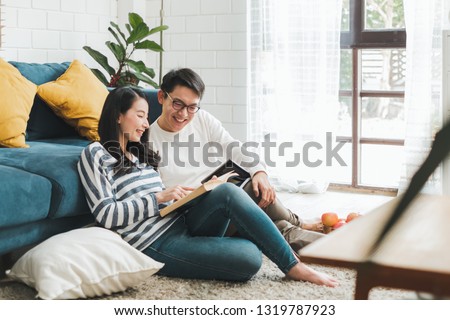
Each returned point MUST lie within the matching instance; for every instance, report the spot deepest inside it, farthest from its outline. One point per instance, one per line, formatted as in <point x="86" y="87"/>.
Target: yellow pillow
<point x="77" y="96"/>
<point x="17" y="96"/>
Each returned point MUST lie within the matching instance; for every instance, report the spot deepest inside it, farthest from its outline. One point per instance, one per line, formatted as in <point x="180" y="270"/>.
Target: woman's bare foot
<point x="302" y="272"/>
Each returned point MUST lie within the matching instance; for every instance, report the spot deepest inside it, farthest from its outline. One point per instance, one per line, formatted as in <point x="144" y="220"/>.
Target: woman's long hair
<point x="118" y="102"/>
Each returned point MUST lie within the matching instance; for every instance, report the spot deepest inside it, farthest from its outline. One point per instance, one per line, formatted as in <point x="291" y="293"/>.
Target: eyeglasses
<point x="178" y="105"/>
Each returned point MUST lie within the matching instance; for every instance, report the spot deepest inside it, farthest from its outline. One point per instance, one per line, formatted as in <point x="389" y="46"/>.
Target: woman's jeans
<point x="195" y="246"/>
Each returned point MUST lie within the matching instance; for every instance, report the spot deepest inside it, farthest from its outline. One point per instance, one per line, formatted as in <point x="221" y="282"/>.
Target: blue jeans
<point x="195" y="246"/>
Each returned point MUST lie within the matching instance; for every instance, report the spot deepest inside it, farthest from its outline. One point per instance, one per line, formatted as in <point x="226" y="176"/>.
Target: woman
<point x="125" y="193"/>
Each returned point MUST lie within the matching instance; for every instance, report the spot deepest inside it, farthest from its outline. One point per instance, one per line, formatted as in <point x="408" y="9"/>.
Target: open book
<point x="193" y="197"/>
<point x="228" y="172"/>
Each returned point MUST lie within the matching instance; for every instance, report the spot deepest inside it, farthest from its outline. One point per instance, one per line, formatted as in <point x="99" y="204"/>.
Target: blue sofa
<point x="40" y="192"/>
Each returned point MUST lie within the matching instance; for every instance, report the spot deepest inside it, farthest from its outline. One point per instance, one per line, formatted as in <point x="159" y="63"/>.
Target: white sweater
<point x="209" y="142"/>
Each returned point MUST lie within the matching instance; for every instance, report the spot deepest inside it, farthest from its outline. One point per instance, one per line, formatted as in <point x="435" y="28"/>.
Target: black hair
<point x="183" y="77"/>
<point x="118" y="102"/>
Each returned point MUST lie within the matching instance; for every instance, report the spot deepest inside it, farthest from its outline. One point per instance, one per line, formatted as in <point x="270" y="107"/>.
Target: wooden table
<point x="415" y="254"/>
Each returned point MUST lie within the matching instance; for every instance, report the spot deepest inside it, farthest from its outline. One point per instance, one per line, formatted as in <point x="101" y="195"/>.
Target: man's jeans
<point x="195" y="246"/>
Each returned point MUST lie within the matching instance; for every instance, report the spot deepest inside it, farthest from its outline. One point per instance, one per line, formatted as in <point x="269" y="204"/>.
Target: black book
<point x="230" y="172"/>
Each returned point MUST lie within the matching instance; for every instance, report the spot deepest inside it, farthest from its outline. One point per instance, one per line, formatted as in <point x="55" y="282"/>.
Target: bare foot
<point x="302" y="272"/>
<point x="313" y="226"/>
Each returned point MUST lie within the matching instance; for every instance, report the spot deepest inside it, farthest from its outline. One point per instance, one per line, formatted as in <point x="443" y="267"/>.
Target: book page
<point x="227" y="176"/>
<point x="189" y="199"/>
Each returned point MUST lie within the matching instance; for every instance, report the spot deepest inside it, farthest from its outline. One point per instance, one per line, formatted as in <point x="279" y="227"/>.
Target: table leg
<point x="363" y="286"/>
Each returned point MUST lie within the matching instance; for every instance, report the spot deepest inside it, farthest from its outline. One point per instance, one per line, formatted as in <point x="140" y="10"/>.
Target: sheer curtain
<point x="423" y="92"/>
<point x="294" y="86"/>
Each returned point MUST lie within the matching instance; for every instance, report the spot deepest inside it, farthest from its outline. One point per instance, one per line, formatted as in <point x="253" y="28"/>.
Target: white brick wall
<point x="56" y="30"/>
<point x="206" y="35"/>
<point x="209" y="36"/>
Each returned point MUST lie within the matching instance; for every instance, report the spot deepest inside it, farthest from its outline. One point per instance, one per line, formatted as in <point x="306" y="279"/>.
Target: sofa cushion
<point x="57" y="163"/>
<point x="19" y="203"/>
<point x="43" y="122"/>
<point x="17" y="94"/>
<point x="77" y="96"/>
<point x="40" y="73"/>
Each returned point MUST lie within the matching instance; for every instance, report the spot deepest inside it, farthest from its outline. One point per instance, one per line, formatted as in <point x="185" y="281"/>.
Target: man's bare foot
<point x="313" y="226"/>
<point x="302" y="272"/>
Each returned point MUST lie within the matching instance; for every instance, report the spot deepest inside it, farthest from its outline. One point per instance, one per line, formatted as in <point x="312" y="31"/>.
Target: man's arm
<point x="233" y="149"/>
<point x="262" y="188"/>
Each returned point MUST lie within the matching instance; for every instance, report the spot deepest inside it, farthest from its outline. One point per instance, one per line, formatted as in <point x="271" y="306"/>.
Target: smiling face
<point x="172" y="120"/>
<point x="134" y="122"/>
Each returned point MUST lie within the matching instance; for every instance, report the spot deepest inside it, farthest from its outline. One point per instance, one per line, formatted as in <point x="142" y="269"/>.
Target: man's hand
<point x="262" y="187"/>
<point x="172" y="193"/>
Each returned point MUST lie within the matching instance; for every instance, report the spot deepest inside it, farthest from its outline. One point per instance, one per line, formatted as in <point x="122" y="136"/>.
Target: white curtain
<point x="425" y="21"/>
<point x="294" y="86"/>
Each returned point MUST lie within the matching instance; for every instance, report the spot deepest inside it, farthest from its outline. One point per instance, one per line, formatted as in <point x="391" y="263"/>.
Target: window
<point x="372" y="83"/>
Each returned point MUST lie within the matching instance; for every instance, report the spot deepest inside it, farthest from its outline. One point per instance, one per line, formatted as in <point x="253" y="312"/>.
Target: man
<point x="192" y="144"/>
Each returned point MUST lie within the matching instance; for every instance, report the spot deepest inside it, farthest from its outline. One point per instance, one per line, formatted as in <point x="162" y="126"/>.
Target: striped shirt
<point x="123" y="202"/>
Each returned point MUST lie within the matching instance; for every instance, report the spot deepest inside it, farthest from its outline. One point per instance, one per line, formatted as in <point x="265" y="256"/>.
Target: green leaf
<point x="100" y="58"/>
<point x="135" y="19"/>
<point x="118" y="51"/>
<point x="127" y="25"/>
<point x="100" y="76"/>
<point x="138" y="34"/>
<point x="136" y="65"/>
<point x="139" y="66"/>
<point x="146" y="79"/>
<point x="150" y="72"/>
<point x="118" y="30"/>
<point x="117" y="37"/>
<point x="148" y="44"/>
<point x="158" y="29"/>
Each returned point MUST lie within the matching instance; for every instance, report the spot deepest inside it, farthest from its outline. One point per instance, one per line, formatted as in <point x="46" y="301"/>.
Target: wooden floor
<point x="311" y="206"/>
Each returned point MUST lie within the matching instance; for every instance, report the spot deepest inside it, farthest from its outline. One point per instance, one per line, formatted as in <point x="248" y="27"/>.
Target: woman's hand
<point x="263" y="188"/>
<point x="172" y="193"/>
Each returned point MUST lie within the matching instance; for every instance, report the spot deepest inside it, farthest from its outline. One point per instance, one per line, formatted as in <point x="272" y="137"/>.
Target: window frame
<point x="356" y="39"/>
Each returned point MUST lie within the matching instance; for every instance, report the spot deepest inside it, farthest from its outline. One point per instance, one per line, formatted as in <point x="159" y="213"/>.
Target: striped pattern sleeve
<point x="112" y="206"/>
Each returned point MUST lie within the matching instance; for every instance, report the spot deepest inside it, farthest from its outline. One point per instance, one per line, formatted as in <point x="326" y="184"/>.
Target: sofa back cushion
<point x="43" y="123"/>
<point x="155" y="108"/>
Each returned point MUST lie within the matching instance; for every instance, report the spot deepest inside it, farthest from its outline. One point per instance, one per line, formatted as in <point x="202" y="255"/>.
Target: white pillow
<point x="83" y="263"/>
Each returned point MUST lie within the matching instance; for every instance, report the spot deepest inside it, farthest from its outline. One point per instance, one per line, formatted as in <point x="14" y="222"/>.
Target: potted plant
<point x="129" y="71"/>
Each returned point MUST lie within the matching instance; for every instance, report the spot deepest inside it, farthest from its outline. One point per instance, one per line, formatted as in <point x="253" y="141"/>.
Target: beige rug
<point x="268" y="284"/>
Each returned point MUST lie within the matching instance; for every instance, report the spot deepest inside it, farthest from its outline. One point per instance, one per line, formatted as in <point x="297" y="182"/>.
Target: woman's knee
<point x="231" y="191"/>
<point x="250" y="262"/>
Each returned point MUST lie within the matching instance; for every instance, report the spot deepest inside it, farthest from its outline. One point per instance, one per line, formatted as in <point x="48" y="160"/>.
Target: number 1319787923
<point x="296" y="309"/>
